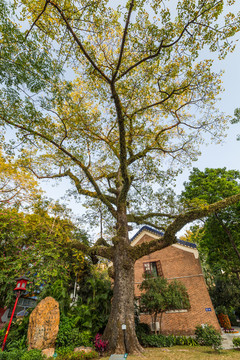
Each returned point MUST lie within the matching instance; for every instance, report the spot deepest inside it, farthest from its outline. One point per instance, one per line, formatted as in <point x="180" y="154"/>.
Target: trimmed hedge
<point x="166" y="341"/>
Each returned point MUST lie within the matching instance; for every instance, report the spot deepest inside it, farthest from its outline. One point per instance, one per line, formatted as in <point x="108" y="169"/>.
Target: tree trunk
<point x="122" y="310"/>
<point x="160" y="323"/>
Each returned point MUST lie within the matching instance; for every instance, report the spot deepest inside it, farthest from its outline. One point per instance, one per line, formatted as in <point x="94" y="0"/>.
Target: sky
<point x="221" y="155"/>
<point x="226" y="154"/>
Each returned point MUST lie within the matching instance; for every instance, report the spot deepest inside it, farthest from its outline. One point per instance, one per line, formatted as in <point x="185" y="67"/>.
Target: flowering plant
<point x="231" y="331"/>
<point x="100" y="345"/>
<point x="224" y="321"/>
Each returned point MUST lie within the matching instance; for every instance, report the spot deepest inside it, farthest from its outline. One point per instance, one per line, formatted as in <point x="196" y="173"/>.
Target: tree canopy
<point x="36" y="245"/>
<point x="160" y="296"/>
<point x="109" y="97"/>
<point x="18" y="187"/>
<point x="218" y="236"/>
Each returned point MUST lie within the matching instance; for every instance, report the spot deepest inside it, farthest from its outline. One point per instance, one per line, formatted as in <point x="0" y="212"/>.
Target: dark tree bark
<point x="122" y="310"/>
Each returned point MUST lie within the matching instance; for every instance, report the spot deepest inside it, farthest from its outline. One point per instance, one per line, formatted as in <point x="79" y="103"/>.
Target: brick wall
<point x="180" y="263"/>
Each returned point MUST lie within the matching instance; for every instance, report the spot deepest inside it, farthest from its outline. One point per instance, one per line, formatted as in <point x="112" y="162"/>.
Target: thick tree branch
<point x="122" y="143"/>
<point x="123" y="40"/>
<point x="92" y="194"/>
<point x="140" y="219"/>
<point x="169" y="236"/>
<point x="72" y="157"/>
<point x="97" y="250"/>
<point x="196" y="214"/>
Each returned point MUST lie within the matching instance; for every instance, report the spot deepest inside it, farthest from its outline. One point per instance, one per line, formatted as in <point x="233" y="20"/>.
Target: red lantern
<point x="21" y="284"/>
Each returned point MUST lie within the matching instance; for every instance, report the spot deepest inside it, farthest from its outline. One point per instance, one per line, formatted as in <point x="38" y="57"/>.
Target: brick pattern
<point x="182" y="265"/>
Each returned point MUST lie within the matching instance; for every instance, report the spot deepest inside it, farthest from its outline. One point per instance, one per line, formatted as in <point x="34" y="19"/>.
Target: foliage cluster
<point x="37" y="355"/>
<point x="22" y="355"/>
<point x="27" y="241"/>
<point x="69" y="333"/>
<point x="207" y="336"/>
<point x="142" y="329"/>
<point x="80" y="355"/>
<point x="100" y="344"/>
<point x="159" y="295"/>
<point x="17" y="337"/>
<point x="18" y="188"/>
<point x="236" y="342"/>
<point x="89" y="314"/>
<point x="160" y="340"/>
<point x="218" y="237"/>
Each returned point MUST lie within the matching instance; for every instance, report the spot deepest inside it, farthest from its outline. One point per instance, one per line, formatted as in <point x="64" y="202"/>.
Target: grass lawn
<point x="184" y="352"/>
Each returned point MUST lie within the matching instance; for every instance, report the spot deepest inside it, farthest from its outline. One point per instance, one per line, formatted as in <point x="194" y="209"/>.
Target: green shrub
<point x="166" y="341"/>
<point x="65" y="350"/>
<point x="232" y="317"/>
<point x="157" y="341"/>
<point x="65" y="331"/>
<point x="12" y="355"/>
<point x="207" y="336"/>
<point x="142" y="329"/>
<point x="33" y="355"/>
<point x="2" y="334"/>
<point x="79" y="356"/>
<point x="20" y="344"/>
<point x="70" y="334"/>
<point x="236" y="342"/>
<point x="18" y="334"/>
<point x="185" y="340"/>
<point x="3" y="355"/>
<point x="22" y="355"/>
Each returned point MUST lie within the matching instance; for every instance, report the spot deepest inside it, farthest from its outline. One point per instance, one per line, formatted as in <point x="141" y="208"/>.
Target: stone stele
<point x="44" y="325"/>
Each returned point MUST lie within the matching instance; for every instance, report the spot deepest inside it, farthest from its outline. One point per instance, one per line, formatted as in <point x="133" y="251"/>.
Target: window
<point x="153" y="268"/>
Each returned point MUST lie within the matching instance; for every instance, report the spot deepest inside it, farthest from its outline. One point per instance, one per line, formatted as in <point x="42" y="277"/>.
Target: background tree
<point x="218" y="236"/>
<point x="236" y="120"/>
<point x="18" y="187"/>
<point x="159" y="296"/>
<point x="124" y="107"/>
<point x="37" y="245"/>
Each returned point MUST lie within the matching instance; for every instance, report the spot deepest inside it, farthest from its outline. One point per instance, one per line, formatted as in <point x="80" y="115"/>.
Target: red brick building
<point x="181" y="262"/>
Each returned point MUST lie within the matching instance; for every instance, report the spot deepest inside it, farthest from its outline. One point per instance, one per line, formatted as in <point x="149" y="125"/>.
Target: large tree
<point x="18" y="187"/>
<point x="133" y="95"/>
<point x="36" y="245"/>
<point x="218" y="237"/>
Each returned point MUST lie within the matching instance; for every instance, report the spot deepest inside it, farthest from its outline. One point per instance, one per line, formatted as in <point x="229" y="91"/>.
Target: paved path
<point x="227" y="338"/>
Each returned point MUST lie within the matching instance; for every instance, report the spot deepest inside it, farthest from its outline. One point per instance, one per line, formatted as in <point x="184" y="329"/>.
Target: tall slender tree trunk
<point x="122" y="310"/>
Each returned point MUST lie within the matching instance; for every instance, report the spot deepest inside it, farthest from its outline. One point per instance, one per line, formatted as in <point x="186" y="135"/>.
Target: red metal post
<point x="14" y="308"/>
